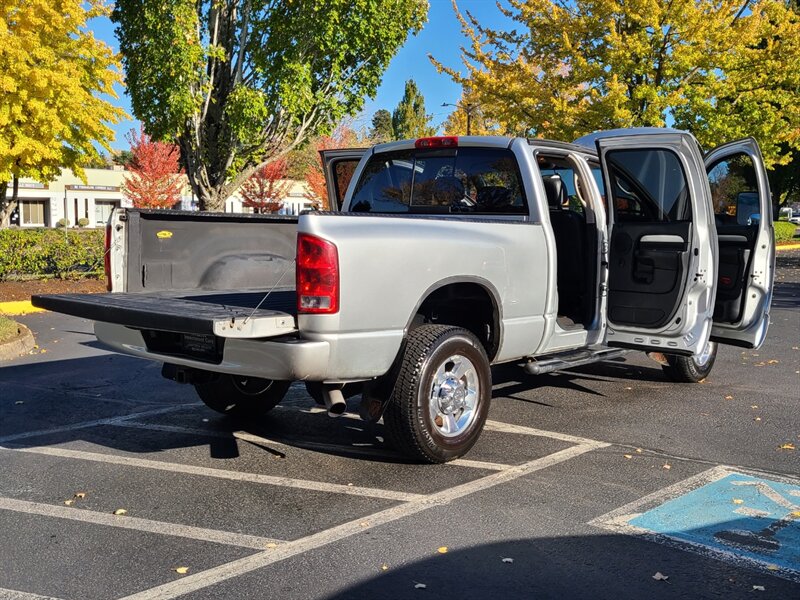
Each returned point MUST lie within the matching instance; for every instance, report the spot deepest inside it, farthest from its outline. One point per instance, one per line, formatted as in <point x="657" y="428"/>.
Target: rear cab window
<point x="441" y="181"/>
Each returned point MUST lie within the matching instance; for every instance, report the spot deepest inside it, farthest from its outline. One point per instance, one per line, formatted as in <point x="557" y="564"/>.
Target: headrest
<point x="554" y="188"/>
<point x="448" y="190"/>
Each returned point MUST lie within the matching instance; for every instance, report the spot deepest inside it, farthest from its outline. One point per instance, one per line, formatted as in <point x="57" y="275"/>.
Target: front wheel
<point x="242" y="396"/>
<point x="441" y="398"/>
<point x="691" y="369"/>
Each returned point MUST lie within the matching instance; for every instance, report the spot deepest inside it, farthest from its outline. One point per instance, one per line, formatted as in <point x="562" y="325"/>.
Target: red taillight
<point x="450" y="141"/>
<point x="107" y="257"/>
<point x="317" y="275"/>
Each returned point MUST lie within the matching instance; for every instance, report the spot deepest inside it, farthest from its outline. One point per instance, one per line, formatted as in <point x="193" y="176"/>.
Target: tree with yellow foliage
<point x="722" y="68"/>
<point x="51" y="72"/>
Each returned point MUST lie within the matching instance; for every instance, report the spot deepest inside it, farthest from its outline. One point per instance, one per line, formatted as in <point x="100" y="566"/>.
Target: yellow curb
<point x="788" y="247"/>
<point x="18" y="307"/>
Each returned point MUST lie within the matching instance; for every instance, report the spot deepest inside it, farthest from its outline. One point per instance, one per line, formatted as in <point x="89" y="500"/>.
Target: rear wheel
<point x="691" y="369"/>
<point x="441" y="398"/>
<point x="242" y="396"/>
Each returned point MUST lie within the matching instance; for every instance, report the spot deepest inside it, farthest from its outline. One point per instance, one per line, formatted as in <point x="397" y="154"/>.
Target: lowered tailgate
<point x="224" y="314"/>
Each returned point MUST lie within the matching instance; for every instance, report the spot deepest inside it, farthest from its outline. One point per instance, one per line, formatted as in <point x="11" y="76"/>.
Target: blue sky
<point x="441" y="37"/>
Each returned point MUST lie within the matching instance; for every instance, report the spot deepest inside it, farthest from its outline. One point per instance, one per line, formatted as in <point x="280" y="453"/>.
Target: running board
<point x="570" y="360"/>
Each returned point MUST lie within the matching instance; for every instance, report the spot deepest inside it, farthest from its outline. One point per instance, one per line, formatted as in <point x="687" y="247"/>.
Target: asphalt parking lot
<point x="585" y="484"/>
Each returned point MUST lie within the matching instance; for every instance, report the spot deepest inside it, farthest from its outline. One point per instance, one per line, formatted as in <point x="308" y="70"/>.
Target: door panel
<point x="743" y="213"/>
<point x="661" y="255"/>
<point x="339" y="166"/>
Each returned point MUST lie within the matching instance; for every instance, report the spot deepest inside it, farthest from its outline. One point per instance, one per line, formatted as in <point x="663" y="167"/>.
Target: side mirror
<point x="748" y="209"/>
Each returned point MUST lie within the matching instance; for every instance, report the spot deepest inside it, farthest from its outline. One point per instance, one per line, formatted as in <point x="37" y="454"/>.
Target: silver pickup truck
<point x="450" y="255"/>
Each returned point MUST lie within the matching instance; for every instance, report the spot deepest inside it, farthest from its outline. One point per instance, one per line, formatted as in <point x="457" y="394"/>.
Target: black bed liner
<point x="192" y="312"/>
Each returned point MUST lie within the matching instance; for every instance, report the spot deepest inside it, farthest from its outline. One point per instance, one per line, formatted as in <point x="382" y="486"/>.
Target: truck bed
<point x="194" y="312"/>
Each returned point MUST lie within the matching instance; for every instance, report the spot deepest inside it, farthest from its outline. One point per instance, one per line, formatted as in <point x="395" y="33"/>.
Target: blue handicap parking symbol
<point x="750" y="517"/>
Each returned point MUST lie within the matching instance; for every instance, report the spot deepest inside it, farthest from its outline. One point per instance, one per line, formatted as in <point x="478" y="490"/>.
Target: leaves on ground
<point x="272" y="545"/>
<point x="758" y="588"/>
<point x="787" y="446"/>
<point x="19" y="402"/>
<point x="120" y="511"/>
<point x="508" y="560"/>
<point x="728" y="397"/>
<point x="667" y="466"/>
<point x="420" y="586"/>
<point x="660" y="576"/>
<point x="181" y="570"/>
<point x="80" y="495"/>
<point x="384" y="567"/>
<point x="442" y="549"/>
<point x="628" y="455"/>
<point x="738" y="501"/>
<point x="69" y="502"/>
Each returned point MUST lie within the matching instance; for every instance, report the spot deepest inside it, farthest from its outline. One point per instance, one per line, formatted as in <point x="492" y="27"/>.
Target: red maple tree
<point x="154" y="179"/>
<point x="266" y="188"/>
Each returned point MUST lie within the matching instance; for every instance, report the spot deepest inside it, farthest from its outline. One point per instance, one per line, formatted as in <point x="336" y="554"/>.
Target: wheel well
<point x="467" y="305"/>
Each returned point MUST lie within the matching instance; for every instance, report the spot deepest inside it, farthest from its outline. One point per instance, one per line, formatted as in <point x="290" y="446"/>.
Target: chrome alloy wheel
<point x="701" y="360"/>
<point x="454" y="396"/>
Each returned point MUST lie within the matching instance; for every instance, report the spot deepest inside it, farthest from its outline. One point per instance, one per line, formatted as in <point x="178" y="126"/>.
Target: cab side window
<point x="734" y="190"/>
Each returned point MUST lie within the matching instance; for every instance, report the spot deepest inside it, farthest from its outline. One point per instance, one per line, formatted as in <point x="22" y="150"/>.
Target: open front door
<point x="661" y="269"/>
<point x="743" y="213"/>
<point x="339" y="165"/>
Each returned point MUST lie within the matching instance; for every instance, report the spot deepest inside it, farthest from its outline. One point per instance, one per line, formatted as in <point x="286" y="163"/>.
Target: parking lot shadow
<point x="571" y="567"/>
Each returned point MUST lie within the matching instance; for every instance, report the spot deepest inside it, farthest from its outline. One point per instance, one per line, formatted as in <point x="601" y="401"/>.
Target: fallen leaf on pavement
<point x="754" y="406"/>
<point x="738" y="501"/>
<point x="757" y="419"/>
<point x="20" y="402"/>
<point x="364" y="524"/>
<point x="789" y="446"/>
<point x="272" y="545"/>
<point x="80" y="495"/>
<point x="660" y="576"/>
<point x="759" y="588"/>
<point x="667" y="467"/>
<point x="795" y="514"/>
<point x="384" y="567"/>
<point x="508" y="560"/>
<point x="728" y="397"/>
<point x="773" y="362"/>
<point x="639" y="450"/>
<point x="420" y="586"/>
<point x="628" y="455"/>
<point x="773" y="568"/>
<point x="442" y="550"/>
<point x="181" y="570"/>
<point x="120" y="511"/>
<point x="69" y="502"/>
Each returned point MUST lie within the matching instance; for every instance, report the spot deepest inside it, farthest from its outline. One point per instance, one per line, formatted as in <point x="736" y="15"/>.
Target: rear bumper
<point x="284" y="360"/>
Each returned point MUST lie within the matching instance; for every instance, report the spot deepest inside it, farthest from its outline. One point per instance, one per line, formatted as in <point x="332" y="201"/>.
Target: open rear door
<point x="743" y="213"/>
<point x="339" y="166"/>
<point x="661" y="270"/>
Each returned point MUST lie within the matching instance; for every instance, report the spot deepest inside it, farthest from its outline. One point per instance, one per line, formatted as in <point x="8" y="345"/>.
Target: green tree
<point x="240" y="83"/>
<point x="409" y="119"/>
<point x="569" y="68"/>
<point x="52" y="71"/>
<point x="382" y="129"/>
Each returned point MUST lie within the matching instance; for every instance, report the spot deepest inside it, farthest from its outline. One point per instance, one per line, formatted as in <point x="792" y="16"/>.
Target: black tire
<point x="408" y="422"/>
<point x="687" y="369"/>
<point x="241" y="396"/>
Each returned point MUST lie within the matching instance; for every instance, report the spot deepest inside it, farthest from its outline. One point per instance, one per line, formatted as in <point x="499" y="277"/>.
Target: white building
<point x="44" y="204"/>
<point x="295" y="202"/>
<point x="90" y="204"/>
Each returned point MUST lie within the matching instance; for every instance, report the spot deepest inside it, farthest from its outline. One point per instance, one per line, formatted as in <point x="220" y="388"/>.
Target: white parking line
<point x="257" y="439"/>
<point x="95" y="423"/>
<point x="158" y="465"/>
<point x="522" y="430"/>
<point x="15" y="595"/>
<point x="137" y="524"/>
<point x="259" y="560"/>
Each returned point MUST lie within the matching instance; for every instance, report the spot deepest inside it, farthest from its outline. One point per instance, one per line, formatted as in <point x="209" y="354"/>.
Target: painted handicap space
<point x="723" y="513"/>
